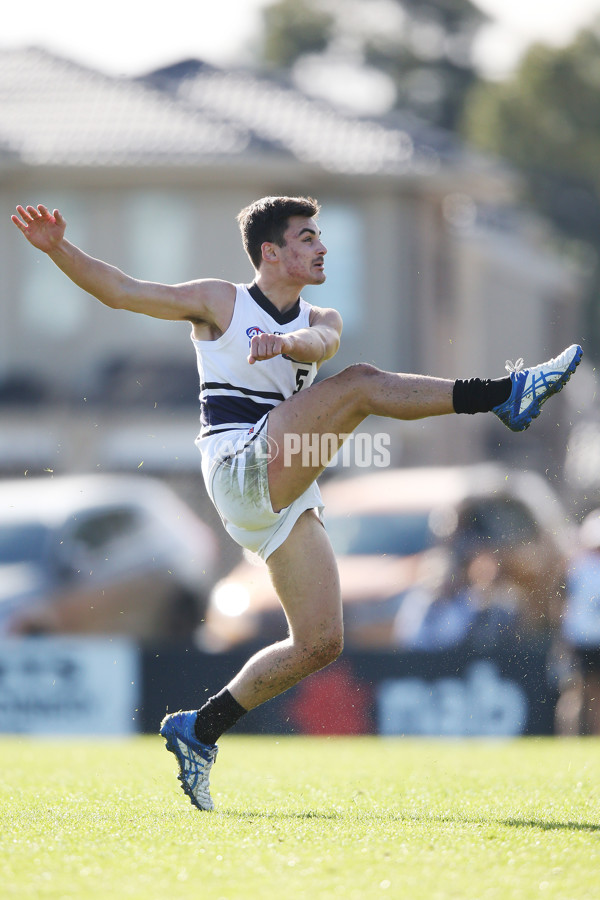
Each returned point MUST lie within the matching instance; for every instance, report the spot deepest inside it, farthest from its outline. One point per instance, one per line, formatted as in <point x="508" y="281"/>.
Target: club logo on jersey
<point x="254" y="331"/>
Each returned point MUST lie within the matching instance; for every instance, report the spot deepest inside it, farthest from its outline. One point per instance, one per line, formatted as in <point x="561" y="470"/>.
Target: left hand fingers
<point x="270" y="345"/>
<point x="265" y="346"/>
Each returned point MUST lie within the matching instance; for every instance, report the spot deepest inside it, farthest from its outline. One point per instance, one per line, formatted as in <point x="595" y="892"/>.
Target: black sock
<point x="480" y="395"/>
<point x="219" y="714"/>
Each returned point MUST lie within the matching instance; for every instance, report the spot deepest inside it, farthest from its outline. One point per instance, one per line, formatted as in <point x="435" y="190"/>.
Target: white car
<point x="383" y="526"/>
<point x="112" y="554"/>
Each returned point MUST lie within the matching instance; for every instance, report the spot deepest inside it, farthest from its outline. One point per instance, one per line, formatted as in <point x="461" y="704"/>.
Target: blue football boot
<point x="532" y="387"/>
<point x="195" y="759"/>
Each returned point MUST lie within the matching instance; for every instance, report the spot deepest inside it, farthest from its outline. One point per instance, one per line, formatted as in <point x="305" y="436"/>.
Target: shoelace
<point x="514" y="367"/>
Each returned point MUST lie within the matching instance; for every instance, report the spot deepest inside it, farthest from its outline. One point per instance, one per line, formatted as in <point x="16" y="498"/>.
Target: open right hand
<point x="42" y="229"/>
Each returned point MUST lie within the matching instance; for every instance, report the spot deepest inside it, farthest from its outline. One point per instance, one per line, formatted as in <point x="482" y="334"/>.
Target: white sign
<point x="69" y="686"/>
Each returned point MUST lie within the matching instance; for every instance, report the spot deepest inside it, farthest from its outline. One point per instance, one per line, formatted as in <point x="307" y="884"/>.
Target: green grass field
<point x="302" y="818"/>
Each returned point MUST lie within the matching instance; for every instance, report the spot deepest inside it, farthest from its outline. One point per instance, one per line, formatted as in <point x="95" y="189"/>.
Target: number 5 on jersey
<point x="301" y="375"/>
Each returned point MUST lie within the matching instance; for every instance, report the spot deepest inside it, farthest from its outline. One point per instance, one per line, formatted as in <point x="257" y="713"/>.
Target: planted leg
<point x="305" y="577"/>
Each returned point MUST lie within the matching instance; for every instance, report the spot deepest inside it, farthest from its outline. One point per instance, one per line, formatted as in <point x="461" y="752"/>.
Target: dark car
<point x="101" y="554"/>
<point x="384" y="528"/>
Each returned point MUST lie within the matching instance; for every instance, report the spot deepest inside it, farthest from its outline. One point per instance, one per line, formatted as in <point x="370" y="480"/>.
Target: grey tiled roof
<point x="53" y="111"/>
<point x="309" y="130"/>
<point x="56" y="112"/>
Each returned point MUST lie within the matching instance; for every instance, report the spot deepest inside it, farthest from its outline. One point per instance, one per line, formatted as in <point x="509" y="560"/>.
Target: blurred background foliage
<point x="422" y="48"/>
<point x="544" y="119"/>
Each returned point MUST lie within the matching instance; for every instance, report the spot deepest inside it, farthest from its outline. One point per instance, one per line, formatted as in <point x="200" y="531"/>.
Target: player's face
<point x="303" y="254"/>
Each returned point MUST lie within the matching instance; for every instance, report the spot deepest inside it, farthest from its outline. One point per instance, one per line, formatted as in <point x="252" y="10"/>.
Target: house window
<point x="161" y="227"/>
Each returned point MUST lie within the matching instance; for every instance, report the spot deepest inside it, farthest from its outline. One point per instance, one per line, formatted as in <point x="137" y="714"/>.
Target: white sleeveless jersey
<point x="234" y="394"/>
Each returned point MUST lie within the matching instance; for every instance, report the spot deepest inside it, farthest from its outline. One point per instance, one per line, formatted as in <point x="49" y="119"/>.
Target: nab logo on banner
<point x="481" y="702"/>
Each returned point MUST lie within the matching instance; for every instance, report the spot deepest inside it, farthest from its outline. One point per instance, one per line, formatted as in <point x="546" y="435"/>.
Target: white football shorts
<point x="234" y="466"/>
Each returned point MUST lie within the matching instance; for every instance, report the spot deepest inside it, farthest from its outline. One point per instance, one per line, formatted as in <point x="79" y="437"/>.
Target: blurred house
<point x="432" y="267"/>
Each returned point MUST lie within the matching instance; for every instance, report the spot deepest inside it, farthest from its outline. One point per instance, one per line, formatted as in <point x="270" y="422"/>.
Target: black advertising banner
<point x="504" y="691"/>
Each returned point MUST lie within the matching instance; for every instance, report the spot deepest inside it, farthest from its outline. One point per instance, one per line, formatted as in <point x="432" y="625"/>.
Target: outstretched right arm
<point x="195" y="301"/>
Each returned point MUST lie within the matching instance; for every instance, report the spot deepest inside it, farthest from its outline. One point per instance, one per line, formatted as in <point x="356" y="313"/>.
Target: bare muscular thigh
<point x="299" y="423"/>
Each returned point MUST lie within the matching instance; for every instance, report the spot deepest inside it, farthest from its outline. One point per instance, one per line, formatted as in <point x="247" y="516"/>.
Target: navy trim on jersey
<point x="225" y="386"/>
<point x="215" y="411"/>
<point x="270" y="308"/>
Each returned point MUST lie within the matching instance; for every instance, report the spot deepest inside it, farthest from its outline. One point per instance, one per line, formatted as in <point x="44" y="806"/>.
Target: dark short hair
<point x="267" y="220"/>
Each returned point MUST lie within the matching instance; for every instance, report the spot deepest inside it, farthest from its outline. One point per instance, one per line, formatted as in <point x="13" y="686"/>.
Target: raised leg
<point x="336" y="406"/>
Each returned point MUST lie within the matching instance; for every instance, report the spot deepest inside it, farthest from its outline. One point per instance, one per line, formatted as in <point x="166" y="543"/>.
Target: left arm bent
<point x="317" y="343"/>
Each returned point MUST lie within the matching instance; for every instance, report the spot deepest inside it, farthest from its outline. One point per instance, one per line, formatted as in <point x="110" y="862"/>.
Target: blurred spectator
<point x="470" y="600"/>
<point x="579" y="705"/>
<point x="529" y="559"/>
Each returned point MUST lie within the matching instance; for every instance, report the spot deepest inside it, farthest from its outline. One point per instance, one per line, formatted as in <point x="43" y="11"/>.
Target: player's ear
<point x="268" y="251"/>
